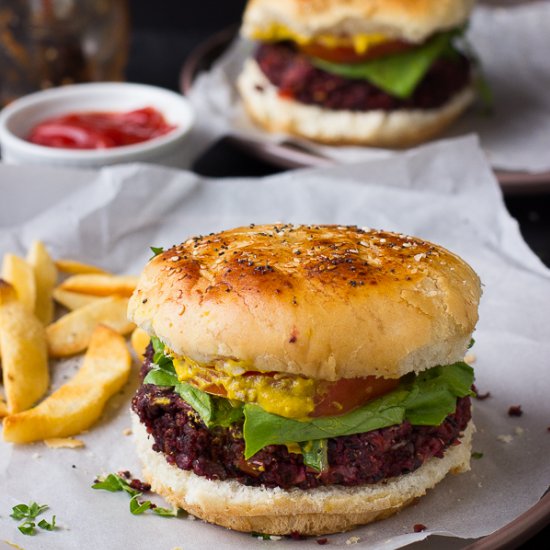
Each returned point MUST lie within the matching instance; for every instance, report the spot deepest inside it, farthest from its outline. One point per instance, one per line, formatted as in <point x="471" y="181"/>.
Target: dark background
<point x="163" y="35"/>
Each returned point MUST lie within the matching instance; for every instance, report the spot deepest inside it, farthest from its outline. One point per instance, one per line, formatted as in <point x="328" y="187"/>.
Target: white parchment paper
<point x="444" y="192"/>
<point x="513" y="44"/>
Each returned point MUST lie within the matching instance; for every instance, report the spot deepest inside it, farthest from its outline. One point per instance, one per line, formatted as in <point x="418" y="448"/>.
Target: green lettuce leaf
<point x="213" y="410"/>
<point x="425" y="399"/>
<point x="397" y="74"/>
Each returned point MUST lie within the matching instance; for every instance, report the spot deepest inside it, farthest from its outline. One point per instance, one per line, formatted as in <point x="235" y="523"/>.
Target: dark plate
<point x="289" y="155"/>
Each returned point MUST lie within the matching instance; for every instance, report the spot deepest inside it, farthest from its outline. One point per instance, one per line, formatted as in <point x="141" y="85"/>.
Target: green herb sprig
<point x="116" y="483"/>
<point x="28" y="513"/>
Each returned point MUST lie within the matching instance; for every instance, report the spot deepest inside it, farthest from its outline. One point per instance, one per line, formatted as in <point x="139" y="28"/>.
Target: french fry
<point x="78" y="404"/>
<point x="75" y="268"/>
<point x="3" y="408"/>
<point x="101" y="285"/>
<point x="24" y="352"/>
<point x="45" y="276"/>
<point x="140" y="340"/>
<point x="72" y="333"/>
<point x="73" y="300"/>
<point x="20" y="275"/>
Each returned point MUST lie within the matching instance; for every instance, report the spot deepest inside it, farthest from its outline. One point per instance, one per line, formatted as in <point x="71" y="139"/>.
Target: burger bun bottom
<point x="277" y="511"/>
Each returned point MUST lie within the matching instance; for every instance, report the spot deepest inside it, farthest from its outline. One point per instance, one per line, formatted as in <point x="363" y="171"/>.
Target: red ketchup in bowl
<point x="100" y="130"/>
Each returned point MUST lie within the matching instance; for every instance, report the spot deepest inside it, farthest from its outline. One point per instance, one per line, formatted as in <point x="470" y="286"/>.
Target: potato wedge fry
<point x="45" y="276"/>
<point x="140" y="340"/>
<point x="75" y="268"/>
<point x="78" y="404"/>
<point x="20" y="275"/>
<point x="71" y="333"/>
<point x="101" y="285"/>
<point x="73" y="300"/>
<point x="24" y="352"/>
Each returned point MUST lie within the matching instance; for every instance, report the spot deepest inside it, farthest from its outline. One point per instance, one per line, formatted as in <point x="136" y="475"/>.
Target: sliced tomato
<point x="214" y="389"/>
<point x="349" y="393"/>
<point x="349" y="55"/>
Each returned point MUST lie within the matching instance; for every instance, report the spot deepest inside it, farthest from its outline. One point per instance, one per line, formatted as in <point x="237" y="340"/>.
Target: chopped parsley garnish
<point x="477" y="455"/>
<point x="28" y="513"/>
<point x="115" y="483"/>
<point x="156" y="250"/>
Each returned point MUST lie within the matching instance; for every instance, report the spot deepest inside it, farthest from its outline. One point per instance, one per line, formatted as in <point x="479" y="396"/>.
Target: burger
<point x="382" y="73"/>
<point x="303" y="379"/>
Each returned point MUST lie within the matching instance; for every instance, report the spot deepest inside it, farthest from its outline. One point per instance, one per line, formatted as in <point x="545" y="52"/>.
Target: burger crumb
<point x="515" y="410"/>
<point x="419" y="527"/>
<point x="519" y="430"/>
<point x="353" y="540"/>
<point x="127" y="431"/>
<point x="322" y="541"/>
<point x="64" y="443"/>
<point x="480" y="396"/>
<point x="505" y="438"/>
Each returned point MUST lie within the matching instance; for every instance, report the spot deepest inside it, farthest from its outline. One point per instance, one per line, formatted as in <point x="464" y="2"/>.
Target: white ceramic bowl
<point x="22" y="115"/>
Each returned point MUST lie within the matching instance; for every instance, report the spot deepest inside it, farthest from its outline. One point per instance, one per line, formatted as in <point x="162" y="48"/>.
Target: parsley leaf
<point x="20" y="511"/>
<point x="166" y="512"/>
<point x="156" y="250"/>
<point x="43" y="524"/>
<point x="27" y="528"/>
<point x="28" y="512"/>
<point x="136" y="507"/>
<point x="115" y="483"/>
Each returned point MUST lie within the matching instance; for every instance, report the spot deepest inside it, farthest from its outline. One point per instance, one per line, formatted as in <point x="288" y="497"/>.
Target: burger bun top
<point x="409" y="20"/>
<point x="326" y="302"/>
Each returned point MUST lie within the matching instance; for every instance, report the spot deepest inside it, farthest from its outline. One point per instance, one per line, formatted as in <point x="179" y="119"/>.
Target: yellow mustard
<point x="288" y="396"/>
<point x="360" y="42"/>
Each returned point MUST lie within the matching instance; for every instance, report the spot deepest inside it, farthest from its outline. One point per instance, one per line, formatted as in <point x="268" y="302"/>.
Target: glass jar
<point x="45" y="43"/>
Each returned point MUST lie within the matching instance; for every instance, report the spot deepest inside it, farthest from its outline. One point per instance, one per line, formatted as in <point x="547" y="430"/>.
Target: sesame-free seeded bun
<point x="410" y="20"/>
<point x="326" y="302"/>
<point x="277" y="511"/>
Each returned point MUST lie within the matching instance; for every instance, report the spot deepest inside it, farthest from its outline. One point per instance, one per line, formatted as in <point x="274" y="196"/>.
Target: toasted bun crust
<point x="411" y="20"/>
<point x="394" y="129"/>
<point x="327" y="302"/>
<point x="278" y="512"/>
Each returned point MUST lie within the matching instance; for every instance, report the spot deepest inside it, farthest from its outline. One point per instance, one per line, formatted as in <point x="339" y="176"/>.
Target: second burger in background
<point x="382" y="73"/>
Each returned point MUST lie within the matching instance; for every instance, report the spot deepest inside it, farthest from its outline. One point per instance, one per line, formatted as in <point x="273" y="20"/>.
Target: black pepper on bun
<point x="382" y="73"/>
<point x="303" y="378"/>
